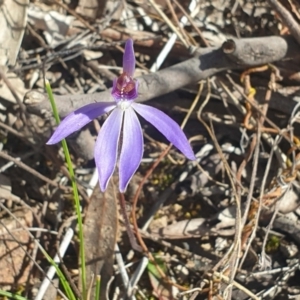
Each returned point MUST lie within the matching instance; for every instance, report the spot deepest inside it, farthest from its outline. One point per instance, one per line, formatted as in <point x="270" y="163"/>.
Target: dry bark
<point x="234" y="54"/>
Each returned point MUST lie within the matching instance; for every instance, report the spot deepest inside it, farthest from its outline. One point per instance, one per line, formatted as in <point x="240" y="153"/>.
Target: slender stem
<point x="11" y="295"/>
<point x="75" y="193"/>
<point x="130" y="233"/>
<point x="98" y="281"/>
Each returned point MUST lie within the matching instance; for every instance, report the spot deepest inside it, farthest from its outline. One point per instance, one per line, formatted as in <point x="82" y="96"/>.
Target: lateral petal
<point x="168" y="127"/>
<point x="132" y="148"/>
<point x="106" y="147"/>
<point x="79" y="118"/>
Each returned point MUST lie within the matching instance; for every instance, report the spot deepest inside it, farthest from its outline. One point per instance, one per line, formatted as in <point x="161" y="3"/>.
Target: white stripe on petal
<point x="132" y="148"/>
<point x="106" y="148"/>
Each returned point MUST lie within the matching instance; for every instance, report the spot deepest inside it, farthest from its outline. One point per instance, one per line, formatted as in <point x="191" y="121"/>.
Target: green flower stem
<point x="11" y="295"/>
<point x="75" y="193"/>
<point x="61" y="276"/>
<point x="98" y="281"/>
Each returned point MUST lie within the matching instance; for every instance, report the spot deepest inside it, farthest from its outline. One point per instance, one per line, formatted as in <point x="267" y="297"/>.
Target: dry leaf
<point x="18" y="86"/>
<point x="91" y="55"/>
<point x="100" y="233"/>
<point x="13" y="260"/>
<point x="5" y="187"/>
<point x="54" y="24"/>
<point x="183" y="229"/>
<point x="91" y="9"/>
<point x="198" y="227"/>
<point x="13" y="18"/>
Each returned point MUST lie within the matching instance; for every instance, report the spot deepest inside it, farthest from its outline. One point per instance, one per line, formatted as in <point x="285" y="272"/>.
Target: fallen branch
<point x="287" y="19"/>
<point x="234" y="54"/>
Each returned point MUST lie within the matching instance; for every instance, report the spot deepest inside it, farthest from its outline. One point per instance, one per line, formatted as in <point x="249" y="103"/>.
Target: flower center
<point x="124" y="104"/>
<point x="125" y="84"/>
<point x="124" y="88"/>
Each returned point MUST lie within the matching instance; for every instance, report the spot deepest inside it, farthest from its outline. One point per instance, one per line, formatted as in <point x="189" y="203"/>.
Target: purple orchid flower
<point x="122" y="121"/>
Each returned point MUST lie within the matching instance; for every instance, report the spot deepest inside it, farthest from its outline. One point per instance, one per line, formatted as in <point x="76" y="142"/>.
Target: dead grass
<point x="223" y="227"/>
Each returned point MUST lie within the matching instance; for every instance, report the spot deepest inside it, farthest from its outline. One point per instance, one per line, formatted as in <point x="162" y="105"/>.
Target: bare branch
<point x="234" y="54"/>
<point x="287" y="19"/>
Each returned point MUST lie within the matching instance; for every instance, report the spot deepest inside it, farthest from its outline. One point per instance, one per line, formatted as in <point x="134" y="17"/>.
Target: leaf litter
<point x="223" y="227"/>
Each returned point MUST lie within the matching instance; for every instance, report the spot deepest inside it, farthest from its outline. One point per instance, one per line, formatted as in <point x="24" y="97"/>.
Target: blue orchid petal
<point x="79" y="118"/>
<point x="129" y="58"/>
<point x="169" y="128"/>
<point x="106" y="148"/>
<point x="132" y="148"/>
